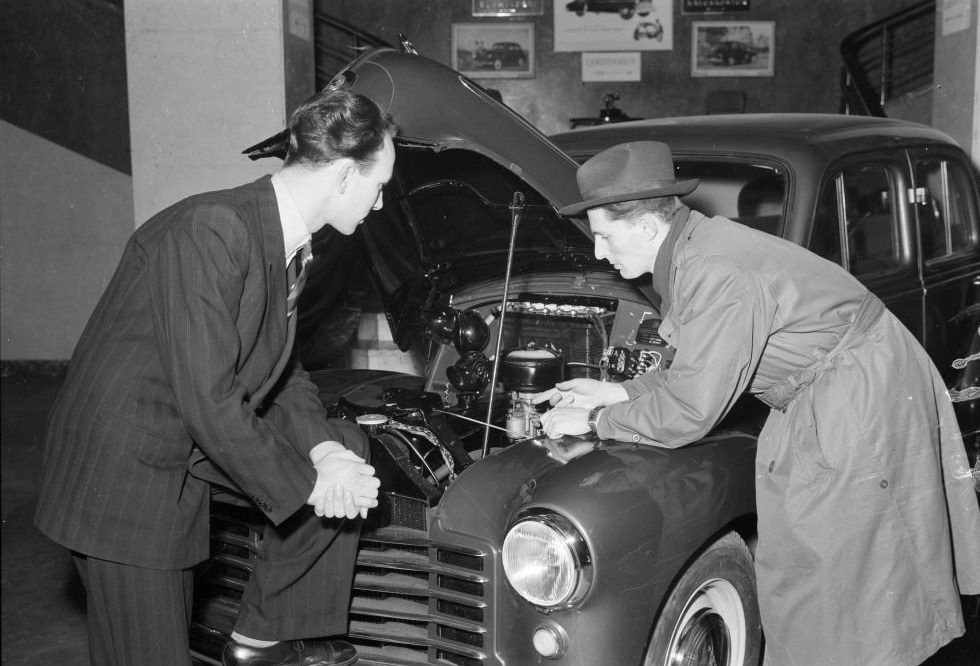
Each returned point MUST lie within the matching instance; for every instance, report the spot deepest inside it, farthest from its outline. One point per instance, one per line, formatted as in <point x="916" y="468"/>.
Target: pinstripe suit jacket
<point x="190" y="327"/>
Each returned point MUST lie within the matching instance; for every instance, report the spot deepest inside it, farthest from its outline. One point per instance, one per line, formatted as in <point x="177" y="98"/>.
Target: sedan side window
<point x="860" y="202"/>
<point x="945" y="208"/>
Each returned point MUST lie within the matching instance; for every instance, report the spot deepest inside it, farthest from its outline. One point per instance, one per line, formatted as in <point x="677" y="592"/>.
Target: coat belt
<point x="782" y="393"/>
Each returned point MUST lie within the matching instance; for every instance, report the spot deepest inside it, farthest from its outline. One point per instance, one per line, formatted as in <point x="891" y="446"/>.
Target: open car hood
<point x="448" y="213"/>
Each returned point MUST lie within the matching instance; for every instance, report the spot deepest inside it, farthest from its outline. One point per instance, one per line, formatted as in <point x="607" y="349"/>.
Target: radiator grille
<point x="580" y="340"/>
<point x="412" y="603"/>
<point x="415" y="603"/>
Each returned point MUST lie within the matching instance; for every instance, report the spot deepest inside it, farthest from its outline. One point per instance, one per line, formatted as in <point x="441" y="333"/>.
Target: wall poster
<point x="640" y="25"/>
<point x="494" y="50"/>
<point x="732" y="48"/>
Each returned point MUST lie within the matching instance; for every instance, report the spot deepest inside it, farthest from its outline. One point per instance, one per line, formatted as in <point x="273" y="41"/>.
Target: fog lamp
<point x="547" y="561"/>
<point x="550" y="641"/>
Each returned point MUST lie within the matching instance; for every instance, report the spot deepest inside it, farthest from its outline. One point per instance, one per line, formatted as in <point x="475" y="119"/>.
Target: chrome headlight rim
<point x="578" y="549"/>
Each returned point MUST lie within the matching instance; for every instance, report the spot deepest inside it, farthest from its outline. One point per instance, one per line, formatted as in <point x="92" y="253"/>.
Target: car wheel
<point x="711" y="617"/>
<point x="730" y="60"/>
<point x="522" y="63"/>
<point x="498" y="63"/>
<point x="626" y="12"/>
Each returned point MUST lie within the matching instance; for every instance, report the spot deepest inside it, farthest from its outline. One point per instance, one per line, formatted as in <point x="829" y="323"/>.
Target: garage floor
<point x="43" y="602"/>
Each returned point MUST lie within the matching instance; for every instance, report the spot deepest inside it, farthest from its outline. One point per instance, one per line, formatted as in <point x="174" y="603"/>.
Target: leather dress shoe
<point x="290" y="653"/>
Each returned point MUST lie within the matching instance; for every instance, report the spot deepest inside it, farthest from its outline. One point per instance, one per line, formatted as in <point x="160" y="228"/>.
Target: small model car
<point x="494" y="545"/>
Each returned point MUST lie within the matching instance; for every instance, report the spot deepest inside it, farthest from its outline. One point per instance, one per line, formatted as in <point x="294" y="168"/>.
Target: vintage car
<point x="501" y="55"/>
<point x="494" y="545"/>
<point x="731" y="53"/>
<point x="649" y="30"/>
<point x="625" y="8"/>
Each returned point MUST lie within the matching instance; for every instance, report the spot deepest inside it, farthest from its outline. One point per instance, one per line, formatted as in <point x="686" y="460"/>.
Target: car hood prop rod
<point x="516" y="210"/>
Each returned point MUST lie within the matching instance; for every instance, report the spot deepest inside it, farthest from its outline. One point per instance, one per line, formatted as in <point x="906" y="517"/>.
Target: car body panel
<point x="674" y="501"/>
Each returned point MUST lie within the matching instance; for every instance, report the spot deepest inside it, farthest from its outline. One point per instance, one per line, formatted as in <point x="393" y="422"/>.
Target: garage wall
<point x="807" y="60"/>
<point x="66" y="203"/>
<point x="64" y="219"/>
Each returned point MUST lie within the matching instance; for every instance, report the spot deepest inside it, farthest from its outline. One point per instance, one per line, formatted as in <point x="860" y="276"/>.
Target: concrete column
<point x="955" y="103"/>
<point x="207" y="79"/>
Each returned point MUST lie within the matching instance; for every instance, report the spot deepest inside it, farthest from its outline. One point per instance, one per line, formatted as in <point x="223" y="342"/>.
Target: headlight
<point x="547" y="561"/>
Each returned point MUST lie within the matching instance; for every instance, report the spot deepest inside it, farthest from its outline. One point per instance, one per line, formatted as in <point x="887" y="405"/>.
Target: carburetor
<point x="525" y="371"/>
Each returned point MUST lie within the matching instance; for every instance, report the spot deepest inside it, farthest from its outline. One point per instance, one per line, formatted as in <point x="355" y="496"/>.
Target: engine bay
<point x="423" y="438"/>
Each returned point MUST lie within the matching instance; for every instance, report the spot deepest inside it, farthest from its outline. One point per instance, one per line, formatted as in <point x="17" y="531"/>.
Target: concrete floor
<point x="43" y="602"/>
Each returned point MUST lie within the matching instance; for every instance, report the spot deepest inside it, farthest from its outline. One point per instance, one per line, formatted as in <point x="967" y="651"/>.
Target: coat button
<point x="884" y="483"/>
<point x="636" y="438"/>
<point x="772" y="464"/>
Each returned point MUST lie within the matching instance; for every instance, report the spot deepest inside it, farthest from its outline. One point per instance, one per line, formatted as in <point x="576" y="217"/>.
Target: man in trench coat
<point x="184" y="377"/>
<point x="869" y="527"/>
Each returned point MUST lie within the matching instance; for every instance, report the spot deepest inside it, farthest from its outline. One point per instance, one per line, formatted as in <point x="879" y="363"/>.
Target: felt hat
<point x="626" y="172"/>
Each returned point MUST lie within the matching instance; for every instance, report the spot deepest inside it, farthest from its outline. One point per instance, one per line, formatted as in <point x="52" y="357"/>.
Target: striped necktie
<point x="297" y="277"/>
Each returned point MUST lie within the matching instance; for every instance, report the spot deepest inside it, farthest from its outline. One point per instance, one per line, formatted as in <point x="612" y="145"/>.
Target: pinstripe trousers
<point x="299" y="589"/>
<point x="136" y="616"/>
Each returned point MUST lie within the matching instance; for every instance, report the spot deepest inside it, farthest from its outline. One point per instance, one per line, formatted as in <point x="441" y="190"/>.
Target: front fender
<point x="644" y="512"/>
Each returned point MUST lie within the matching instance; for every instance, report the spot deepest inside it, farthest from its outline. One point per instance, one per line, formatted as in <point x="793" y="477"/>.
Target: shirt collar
<point x="295" y="233"/>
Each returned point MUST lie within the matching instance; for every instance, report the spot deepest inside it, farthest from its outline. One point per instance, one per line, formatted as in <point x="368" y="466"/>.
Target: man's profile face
<point x="624" y="244"/>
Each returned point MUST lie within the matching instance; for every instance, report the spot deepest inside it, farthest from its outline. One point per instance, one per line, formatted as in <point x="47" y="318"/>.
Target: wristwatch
<point x="594" y="417"/>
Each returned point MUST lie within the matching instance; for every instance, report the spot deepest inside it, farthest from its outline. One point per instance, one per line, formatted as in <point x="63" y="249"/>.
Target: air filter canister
<point x="531" y="369"/>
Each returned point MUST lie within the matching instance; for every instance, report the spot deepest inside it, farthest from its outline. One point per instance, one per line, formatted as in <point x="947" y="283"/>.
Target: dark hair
<point x="337" y="123"/>
<point x="662" y="207"/>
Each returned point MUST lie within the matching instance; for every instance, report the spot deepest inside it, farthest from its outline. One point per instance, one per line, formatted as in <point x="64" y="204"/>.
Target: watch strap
<point x="594" y="417"/>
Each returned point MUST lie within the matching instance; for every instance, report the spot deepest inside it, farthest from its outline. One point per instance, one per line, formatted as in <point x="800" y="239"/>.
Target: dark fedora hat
<point x="625" y="172"/>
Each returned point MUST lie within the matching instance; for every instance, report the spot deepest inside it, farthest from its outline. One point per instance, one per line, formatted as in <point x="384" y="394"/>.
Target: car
<point x="501" y="55"/>
<point x="649" y="30"/>
<point x="493" y="545"/>
<point x="625" y="8"/>
<point x="732" y="53"/>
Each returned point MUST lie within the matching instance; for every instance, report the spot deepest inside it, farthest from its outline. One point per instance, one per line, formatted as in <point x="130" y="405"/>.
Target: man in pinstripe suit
<point x="184" y="378"/>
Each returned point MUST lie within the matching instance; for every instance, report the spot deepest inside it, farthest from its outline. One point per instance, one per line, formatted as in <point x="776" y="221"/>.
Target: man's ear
<point x="648" y="223"/>
<point x="346" y="168"/>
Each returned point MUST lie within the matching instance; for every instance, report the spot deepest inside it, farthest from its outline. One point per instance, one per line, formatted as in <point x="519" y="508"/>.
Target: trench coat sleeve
<point x="721" y="317"/>
<point x="194" y="285"/>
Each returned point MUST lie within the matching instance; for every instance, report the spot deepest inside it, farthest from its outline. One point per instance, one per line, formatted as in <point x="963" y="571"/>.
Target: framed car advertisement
<point x="494" y="50"/>
<point x="732" y="48"/>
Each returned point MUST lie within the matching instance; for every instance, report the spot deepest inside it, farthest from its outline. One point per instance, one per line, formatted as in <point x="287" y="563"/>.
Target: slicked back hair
<point x="337" y="123"/>
<point x="662" y="207"/>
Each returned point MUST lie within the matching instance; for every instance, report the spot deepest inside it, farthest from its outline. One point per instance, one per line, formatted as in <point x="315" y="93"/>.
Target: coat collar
<point x="665" y="257"/>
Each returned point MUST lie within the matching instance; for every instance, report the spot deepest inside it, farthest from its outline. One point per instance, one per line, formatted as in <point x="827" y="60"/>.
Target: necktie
<point x="297" y="276"/>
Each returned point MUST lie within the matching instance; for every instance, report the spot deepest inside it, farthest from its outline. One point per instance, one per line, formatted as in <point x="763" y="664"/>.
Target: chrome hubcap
<point x="711" y="629"/>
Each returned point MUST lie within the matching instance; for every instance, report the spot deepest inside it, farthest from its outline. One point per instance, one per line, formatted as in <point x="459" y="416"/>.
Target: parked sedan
<point x="495" y="545"/>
